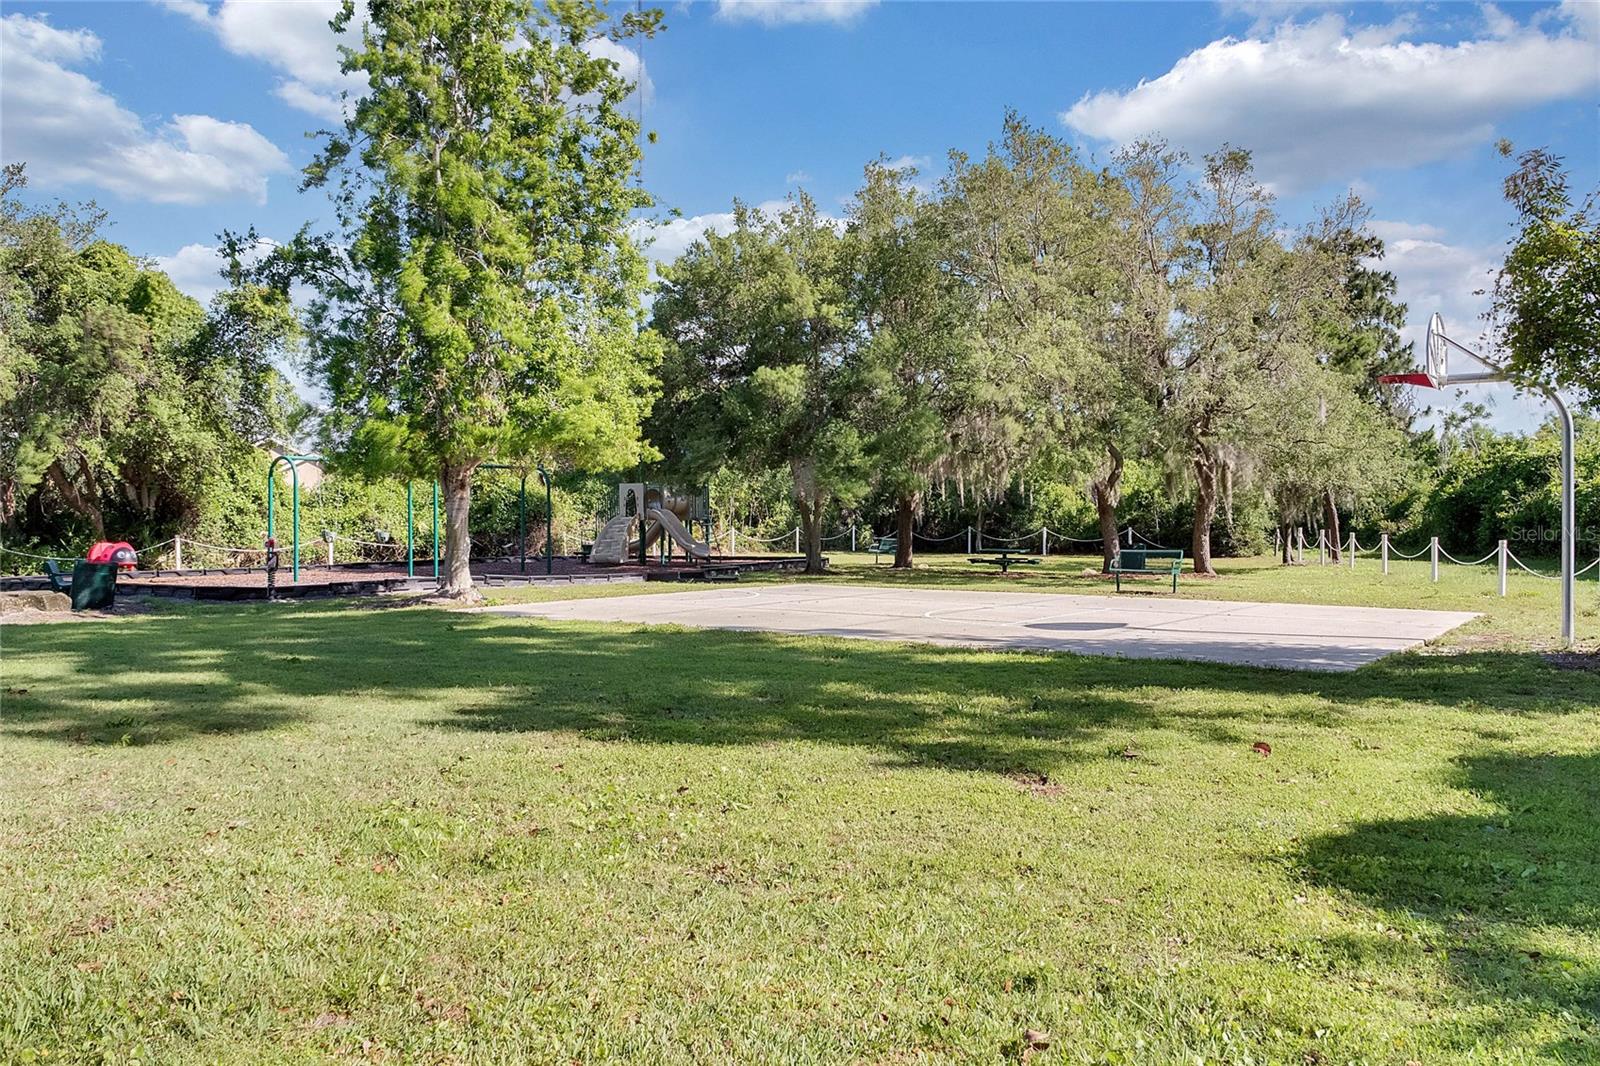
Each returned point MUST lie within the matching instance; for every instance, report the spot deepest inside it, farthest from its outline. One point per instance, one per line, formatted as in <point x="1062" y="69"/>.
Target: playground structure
<point x="666" y="517"/>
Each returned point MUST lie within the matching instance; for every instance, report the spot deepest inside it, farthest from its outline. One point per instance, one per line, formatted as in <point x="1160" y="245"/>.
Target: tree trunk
<point x="80" y="502"/>
<point x="810" y="501"/>
<point x="456" y="579"/>
<point x="1285" y="532"/>
<point x="1330" y="523"/>
<point x="1205" y="508"/>
<point x="811" y="533"/>
<point x="1107" y="492"/>
<point x="905" y="515"/>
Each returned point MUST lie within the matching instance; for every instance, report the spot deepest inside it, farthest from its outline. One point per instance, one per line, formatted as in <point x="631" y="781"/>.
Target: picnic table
<point x="1005" y="558"/>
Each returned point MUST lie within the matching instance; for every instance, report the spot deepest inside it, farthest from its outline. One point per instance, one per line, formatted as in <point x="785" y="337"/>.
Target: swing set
<point x="292" y="464"/>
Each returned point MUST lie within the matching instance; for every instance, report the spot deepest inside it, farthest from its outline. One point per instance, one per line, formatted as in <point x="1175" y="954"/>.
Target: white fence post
<point x="330" y="553"/>
<point x="1433" y="550"/>
<point x="1300" y="552"/>
<point x="733" y="541"/>
<point x="1044" y="541"/>
<point x="1383" y="543"/>
<point x="1130" y="536"/>
<point x="797" y="540"/>
<point x="1502" y="554"/>
<point x="1352" y="551"/>
<point x="969" y="540"/>
<point x="852" y="536"/>
<point x="1277" y="543"/>
<point x="177" y="553"/>
<point x="1322" y="547"/>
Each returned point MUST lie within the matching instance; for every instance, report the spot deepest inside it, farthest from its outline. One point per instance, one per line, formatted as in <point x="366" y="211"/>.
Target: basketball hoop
<point x="1436" y="365"/>
<point x="1437" y="375"/>
<point x="1438" y="354"/>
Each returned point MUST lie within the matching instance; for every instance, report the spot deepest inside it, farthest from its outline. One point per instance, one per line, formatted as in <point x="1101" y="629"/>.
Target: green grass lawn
<point x="328" y="833"/>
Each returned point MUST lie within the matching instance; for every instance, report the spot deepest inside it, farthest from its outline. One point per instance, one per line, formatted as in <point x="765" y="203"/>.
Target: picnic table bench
<point x="1004" y="558"/>
<point x="1144" y="562"/>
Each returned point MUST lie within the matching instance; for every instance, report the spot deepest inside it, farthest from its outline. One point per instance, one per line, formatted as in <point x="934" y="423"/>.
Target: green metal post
<point x="294" y="495"/>
<point x="549" y="524"/>
<point x="411" y="525"/>
<point x="436" y="531"/>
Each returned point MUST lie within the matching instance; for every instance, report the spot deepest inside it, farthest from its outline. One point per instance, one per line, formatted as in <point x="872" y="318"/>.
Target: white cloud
<point x="294" y="38"/>
<point x="907" y="162"/>
<point x="784" y="12"/>
<point x="627" y="61"/>
<point x="1388" y="231"/>
<point x="68" y="129"/>
<point x="665" y="241"/>
<point x="196" y="269"/>
<point x="1322" y="100"/>
<point x="324" y="105"/>
<point x="1433" y="275"/>
<point x="796" y="177"/>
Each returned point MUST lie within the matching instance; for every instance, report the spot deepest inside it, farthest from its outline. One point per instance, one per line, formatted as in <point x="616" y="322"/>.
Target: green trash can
<point x="94" y="585"/>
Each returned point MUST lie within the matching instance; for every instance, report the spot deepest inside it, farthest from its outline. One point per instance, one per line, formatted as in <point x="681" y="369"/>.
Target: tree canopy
<point x="478" y="299"/>
<point x="121" y="397"/>
<point x="1546" y="306"/>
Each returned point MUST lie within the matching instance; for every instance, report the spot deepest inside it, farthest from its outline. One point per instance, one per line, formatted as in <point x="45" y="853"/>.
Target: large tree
<point x="1249" y="328"/>
<point x="1363" y="341"/>
<point x="478" y="299"/>
<point x="1029" y="228"/>
<point x="1547" y="295"/>
<point x="118" y="398"/>
<point x="918" y="379"/>
<point x="761" y="369"/>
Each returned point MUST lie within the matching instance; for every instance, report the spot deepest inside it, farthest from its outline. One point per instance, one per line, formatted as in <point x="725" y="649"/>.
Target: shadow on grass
<point x="233" y="670"/>
<point x="240" y="669"/>
<point x="1497" y="888"/>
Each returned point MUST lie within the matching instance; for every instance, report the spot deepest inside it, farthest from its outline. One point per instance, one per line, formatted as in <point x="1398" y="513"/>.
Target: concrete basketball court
<point x="1287" y="635"/>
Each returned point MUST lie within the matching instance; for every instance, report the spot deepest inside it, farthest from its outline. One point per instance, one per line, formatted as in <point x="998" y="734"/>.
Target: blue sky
<point x="189" y="117"/>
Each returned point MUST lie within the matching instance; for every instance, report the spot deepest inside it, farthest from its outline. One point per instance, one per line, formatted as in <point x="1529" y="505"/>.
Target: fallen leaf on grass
<point x="1261" y="748"/>
<point x="1036" y="1039"/>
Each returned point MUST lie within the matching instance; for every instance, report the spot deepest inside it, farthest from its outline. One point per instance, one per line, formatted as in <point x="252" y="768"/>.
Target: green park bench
<point x="883" y="546"/>
<point x="1144" y="562"/>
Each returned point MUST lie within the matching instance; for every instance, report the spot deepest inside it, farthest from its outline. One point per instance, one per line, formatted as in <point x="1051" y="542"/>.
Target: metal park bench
<point x="1145" y="562"/>
<point x="883" y="546"/>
